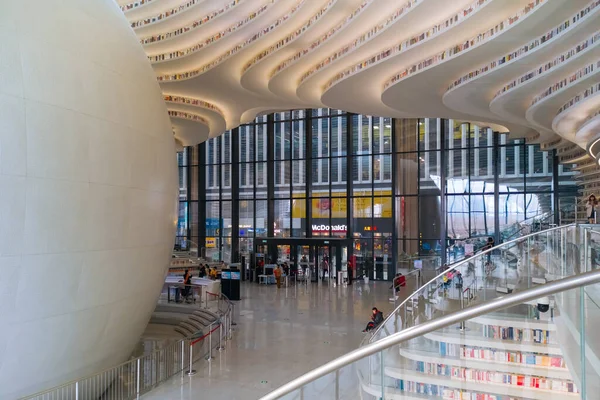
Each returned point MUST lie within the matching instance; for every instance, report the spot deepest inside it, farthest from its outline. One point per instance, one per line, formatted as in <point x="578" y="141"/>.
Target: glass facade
<point x="417" y="185"/>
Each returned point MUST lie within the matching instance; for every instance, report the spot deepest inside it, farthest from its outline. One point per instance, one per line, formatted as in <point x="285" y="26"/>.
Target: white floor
<point x="281" y="334"/>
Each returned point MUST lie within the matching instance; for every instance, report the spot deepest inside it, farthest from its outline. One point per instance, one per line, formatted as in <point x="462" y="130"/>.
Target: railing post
<point x="528" y="262"/>
<point x="221" y="347"/>
<point x="462" y="307"/>
<point x="563" y="252"/>
<point x="191" y="371"/>
<point x="586" y="235"/>
<point x="77" y="390"/>
<point x="182" y="354"/>
<point x="209" y="358"/>
<point x="137" y="385"/>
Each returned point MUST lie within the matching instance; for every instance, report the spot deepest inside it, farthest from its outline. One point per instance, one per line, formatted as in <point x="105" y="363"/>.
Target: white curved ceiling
<point x="529" y="66"/>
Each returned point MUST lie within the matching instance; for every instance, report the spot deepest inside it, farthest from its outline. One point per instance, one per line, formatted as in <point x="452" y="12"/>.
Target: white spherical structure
<point x="88" y="190"/>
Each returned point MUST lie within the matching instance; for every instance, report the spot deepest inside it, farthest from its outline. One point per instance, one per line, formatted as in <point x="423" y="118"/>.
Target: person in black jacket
<point x="376" y="319"/>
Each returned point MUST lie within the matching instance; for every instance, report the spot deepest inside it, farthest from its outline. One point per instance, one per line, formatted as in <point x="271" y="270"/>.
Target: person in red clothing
<point x="399" y="280"/>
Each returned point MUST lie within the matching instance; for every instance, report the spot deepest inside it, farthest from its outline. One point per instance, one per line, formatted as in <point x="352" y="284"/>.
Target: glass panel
<point x="226" y="218"/>
<point x="246" y="218"/>
<point x="299" y="222"/>
<point x="261" y="218"/>
<point x="430" y="134"/>
<point x="429" y="172"/>
<point x="482" y="215"/>
<point x="282" y="179"/>
<point x="281" y="223"/>
<point x="298" y="140"/>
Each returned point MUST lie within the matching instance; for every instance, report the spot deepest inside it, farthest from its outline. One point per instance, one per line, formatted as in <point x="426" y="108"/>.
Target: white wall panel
<point x="88" y="191"/>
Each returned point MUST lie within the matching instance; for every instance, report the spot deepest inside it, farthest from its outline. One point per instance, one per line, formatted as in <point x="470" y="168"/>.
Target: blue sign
<point x="236" y="276"/>
<point x="225" y="275"/>
<point x="212" y="223"/>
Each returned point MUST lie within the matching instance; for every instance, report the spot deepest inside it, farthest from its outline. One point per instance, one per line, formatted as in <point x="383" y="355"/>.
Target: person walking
<point x="278" y="272"/>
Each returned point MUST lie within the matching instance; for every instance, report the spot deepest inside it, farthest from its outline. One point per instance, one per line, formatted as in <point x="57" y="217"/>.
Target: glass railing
<point x="492" y="272"/>
<point x="520" y="325"/>
<point x="461" y="249"/>
<point x="524" y="351"/>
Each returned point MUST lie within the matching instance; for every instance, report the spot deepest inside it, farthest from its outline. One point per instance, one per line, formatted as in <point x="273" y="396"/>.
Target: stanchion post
<point x="221" y="347"/>
<point x="224" y="329"/>
<point x="209" y="358"/>
<point x="232" y="314"/>
<point x="229" y="331"/>
<point x="191" y="371"/>
<point x="462" y="307"/>
<point x="138" y="376"/>
<point x="182" y="354"/>
<point x="77" y="390"/>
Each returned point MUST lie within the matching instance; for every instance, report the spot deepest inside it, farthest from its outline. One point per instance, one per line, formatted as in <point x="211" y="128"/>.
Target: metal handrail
<point x="224" y="324"/>
<point x="458" y="264"/>
<point x="416" y="331"/>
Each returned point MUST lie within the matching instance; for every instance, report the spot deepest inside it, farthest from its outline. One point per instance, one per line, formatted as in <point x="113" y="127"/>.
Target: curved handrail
<point x="107" y="375"/>
<point x="577" y="281"/>
<point x="459" y="264"/>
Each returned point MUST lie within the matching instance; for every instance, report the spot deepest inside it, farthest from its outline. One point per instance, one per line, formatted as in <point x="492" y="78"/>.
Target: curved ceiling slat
<point x="220" y="62"/>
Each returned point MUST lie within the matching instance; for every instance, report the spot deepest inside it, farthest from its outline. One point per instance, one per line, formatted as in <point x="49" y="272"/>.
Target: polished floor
<point x="281" y="334"/>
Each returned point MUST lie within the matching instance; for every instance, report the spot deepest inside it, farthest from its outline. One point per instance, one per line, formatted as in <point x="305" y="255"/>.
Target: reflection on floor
<point x="281" y="334"/>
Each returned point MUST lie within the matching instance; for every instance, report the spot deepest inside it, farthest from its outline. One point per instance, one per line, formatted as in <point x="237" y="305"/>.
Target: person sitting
<point x="376" y="319"/>
<point x="213" y="273"/>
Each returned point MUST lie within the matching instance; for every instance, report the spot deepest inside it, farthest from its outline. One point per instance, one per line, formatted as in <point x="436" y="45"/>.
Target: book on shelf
<point x="500" y="355"/>
<point x="495" y="377"/>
